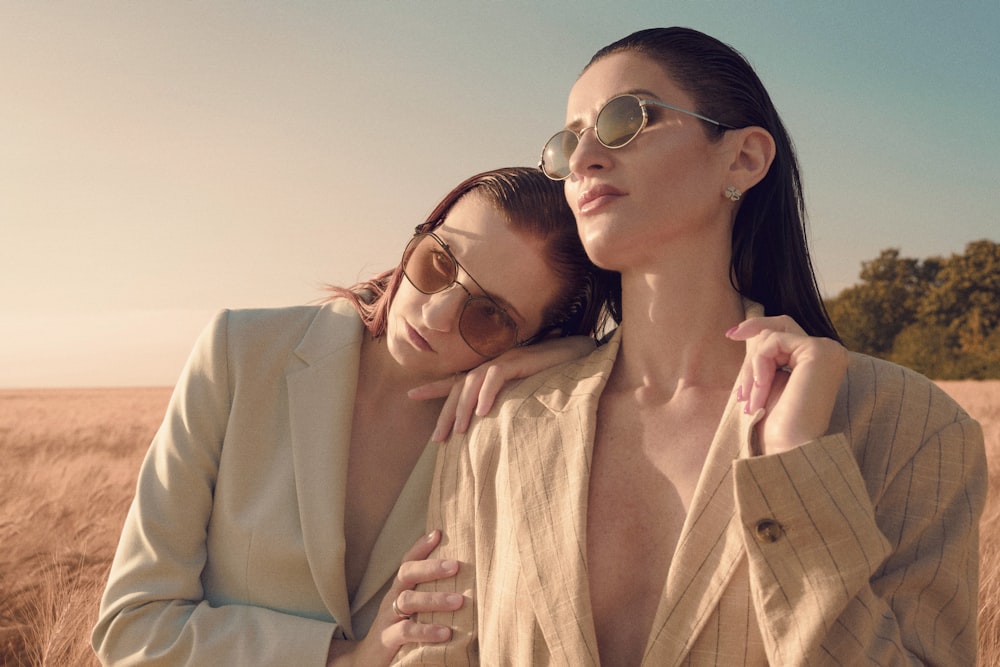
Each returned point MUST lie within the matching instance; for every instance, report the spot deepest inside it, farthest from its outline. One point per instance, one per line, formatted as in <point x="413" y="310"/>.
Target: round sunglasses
<point x="431" y="267"/>
<point x="618" y="122"/>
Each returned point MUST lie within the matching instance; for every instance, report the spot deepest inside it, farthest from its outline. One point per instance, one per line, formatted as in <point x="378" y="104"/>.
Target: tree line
<point x="939" y="316"/>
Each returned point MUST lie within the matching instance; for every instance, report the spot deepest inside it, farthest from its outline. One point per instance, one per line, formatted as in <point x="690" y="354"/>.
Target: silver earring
<point x="733" y="194"/>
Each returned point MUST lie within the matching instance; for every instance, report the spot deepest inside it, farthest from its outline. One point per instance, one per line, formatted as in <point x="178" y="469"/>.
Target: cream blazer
<point x="858" y="548"/>
<point x="233" y="549"/>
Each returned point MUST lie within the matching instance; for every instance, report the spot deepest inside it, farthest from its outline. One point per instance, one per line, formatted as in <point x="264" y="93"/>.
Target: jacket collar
<point x="322" y="379"/>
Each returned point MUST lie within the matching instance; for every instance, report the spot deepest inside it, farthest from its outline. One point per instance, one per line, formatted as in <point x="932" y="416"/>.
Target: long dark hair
<point x="531" y="204"/>
<point x="770" y="254"/>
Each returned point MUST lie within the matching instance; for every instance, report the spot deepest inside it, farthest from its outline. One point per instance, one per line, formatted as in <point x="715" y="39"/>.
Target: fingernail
<point x="746" y="408"/>
<point x="756" y="381"/>
<point x="454" y="599"/>
<point x="739" y="394"/>
<point x="449" y="565"/>
<point x="442" y="634"/>
<point x="432" y="535"/>
<point x="732" y="330"/>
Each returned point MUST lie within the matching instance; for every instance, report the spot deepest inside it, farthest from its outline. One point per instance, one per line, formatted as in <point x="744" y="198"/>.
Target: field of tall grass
<point x="68" y="463"/>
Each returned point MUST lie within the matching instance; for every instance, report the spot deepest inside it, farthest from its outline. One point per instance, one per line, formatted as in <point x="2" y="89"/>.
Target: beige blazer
<point x="858" y="548"/>
<point x="233" y="550"/>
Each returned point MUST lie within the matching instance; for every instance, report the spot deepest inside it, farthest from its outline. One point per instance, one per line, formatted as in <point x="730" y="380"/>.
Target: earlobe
<point x="753" y="157"/>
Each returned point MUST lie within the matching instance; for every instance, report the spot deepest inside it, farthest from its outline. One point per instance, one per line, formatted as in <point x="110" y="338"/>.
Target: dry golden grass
<point x="70" y="459"/>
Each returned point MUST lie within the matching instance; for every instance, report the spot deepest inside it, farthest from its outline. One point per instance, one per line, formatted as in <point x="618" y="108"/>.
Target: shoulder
<point x="884" y="388"/>
<point x="560" y="388"/>
<point x="257" y="337"/>
<point x="893" y="416"/>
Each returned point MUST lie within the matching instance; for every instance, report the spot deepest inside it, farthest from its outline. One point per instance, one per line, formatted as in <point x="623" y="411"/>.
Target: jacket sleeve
<point x="868" y="555"/>
<point x="453" y="510"/>
<point x="153" y="611"/>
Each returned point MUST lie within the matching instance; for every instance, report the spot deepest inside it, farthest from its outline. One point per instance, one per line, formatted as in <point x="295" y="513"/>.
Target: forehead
<point x="511" y="266"/>
<point x="617" y="74"/>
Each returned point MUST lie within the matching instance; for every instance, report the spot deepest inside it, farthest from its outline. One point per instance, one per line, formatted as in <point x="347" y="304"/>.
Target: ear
<point x="753" y="153"/>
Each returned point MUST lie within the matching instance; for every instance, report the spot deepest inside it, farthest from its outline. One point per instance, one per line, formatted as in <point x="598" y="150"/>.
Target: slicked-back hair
<point x="770" y="255"/>
<point x="530" y="204"/>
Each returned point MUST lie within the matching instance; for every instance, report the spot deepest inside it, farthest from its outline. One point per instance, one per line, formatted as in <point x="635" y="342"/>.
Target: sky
<point x="162" y="160"/>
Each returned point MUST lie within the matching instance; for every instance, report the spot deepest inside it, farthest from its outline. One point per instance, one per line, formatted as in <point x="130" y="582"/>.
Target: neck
<point x="382" y="375"/>
<point x="675" y="317"/>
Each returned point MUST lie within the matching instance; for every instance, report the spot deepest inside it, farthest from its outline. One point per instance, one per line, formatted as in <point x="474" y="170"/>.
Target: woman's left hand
<point x="793" y="376"/>
<point x="476" y="390"/>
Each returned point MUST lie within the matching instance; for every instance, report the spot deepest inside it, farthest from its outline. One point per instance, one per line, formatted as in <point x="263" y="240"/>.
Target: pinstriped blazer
<point x="860" y="547"/>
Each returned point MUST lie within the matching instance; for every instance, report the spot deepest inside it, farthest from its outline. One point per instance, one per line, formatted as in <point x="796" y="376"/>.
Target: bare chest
<point x="645" y="469"/>
<point x="382" y="456"/>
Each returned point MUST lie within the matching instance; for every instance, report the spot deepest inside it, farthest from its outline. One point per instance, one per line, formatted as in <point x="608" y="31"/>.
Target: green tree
<point x="966" y="297"/>
<point x="871" y="314"/>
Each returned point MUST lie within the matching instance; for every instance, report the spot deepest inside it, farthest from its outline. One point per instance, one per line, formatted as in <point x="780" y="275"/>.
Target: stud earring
<point x="733" y="194"/>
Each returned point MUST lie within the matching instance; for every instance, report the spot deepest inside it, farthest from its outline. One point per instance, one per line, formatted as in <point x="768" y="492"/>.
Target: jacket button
<point x="768" y="531"/>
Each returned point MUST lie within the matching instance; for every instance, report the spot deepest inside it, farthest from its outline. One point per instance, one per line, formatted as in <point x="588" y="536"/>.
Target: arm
<point x="891" y="583"/>
<point x="153" y="610"/>
<point x="871" y="554"/>
<point x="476" y="390"/>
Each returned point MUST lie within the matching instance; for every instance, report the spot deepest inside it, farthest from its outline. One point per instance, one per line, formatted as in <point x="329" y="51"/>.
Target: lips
<point x="417" y="340"/>
<point x="596" y="197"/>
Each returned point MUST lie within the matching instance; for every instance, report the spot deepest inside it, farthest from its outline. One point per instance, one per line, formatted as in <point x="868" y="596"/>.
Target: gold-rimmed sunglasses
<point x="618" y="122"/>
<point x="431" y="267"/>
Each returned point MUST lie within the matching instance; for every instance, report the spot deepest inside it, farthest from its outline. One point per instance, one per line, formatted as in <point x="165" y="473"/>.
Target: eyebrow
<point x="499" y="300"/>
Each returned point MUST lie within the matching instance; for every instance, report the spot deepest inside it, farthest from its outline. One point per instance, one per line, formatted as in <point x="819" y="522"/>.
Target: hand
<point x="793" y="376"/>
<point x="393" y="626"/>
<point x="476" y="390"/>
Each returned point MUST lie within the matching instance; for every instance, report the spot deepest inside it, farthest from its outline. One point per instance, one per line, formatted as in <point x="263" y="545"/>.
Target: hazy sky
<point x="162" y="160"/>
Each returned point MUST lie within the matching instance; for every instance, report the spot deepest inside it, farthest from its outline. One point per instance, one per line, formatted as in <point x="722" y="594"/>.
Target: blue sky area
<point x="162" y="160"/>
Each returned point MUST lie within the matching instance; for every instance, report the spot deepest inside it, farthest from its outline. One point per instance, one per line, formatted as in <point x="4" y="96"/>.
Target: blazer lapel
<point x="321" y="407"/>
<point x="549" y="458"/>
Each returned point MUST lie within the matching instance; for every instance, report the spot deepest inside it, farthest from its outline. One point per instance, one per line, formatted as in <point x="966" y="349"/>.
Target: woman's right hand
<point x="393" y="626"/>
<point x="476" y="390"/>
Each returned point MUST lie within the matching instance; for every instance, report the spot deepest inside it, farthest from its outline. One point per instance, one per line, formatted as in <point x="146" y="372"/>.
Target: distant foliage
<point x="939" y="316"/>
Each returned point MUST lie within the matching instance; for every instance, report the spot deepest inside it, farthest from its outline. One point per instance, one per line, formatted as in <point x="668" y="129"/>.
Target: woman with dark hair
<point x="722" y="482"/>
<point x="290" y="476"/>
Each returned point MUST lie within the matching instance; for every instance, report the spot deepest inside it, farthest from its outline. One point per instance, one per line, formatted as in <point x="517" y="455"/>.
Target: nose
<point x="589" y="154"/>
<point x="441" y="310"/>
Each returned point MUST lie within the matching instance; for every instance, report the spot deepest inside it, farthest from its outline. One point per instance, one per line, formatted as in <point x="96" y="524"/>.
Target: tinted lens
<point x="486" y="327"/>
<point x="556" y="153"/>
<point x="619" y="121"/>
<point x="427" y="265"/>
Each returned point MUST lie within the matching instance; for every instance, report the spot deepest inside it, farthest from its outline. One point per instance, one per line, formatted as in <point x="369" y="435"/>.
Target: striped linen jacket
<point x="860" y="547"/>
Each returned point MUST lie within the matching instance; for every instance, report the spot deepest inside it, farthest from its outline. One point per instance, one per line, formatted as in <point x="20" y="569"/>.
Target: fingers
<point x="422" y="548"/>
<point x="401" y="602"/>
<point x="408" y="603"/>
<point x="410" y="631"/>
<point x="771" y="346"/>
<point x="445" y="420"/>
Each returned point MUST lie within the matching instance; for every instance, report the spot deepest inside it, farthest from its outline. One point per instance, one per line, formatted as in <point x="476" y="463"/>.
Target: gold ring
<point x="397" y="612"/>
